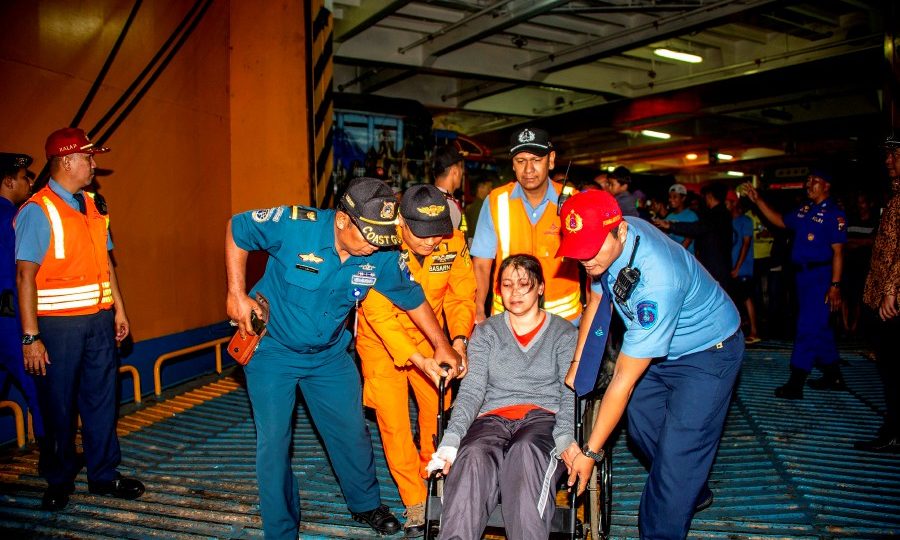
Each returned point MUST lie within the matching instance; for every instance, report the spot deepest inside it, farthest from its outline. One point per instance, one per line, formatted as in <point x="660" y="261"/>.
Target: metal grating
<point x="784" y="470"/>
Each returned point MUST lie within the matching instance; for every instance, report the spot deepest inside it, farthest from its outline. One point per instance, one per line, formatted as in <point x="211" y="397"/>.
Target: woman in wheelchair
<point x="512" y="420"/>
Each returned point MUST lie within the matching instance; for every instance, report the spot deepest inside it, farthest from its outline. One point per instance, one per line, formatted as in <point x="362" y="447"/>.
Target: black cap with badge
<point x="371" y="205"/>
<point x="892" y="142"/>
<point x="10" y="163"/>
<point x="424" y="209"/>
<point x="532" y="140"/>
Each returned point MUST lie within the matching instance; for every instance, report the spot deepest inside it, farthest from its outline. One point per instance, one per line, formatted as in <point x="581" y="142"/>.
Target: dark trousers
<point x="12" y="369"/>
<point x="675" y="416"/>
<point x="888" y="361"/>
<point x="329" y="381"/>
<point x="509" y="460"/>
<point x="814" y="342"/>
<point x="82" y="378"/>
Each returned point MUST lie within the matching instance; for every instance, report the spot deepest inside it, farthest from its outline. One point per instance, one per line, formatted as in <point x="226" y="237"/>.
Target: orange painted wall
<point x="170" y="183"/>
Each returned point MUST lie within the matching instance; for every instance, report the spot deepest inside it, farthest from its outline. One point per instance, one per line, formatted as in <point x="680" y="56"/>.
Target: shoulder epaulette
<point x="304" y="213"/>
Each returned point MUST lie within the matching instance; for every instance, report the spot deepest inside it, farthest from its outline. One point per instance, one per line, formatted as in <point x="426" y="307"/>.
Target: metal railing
<point x="157" y="379"/>
<point x="20" y="420"/>
<point x="135" y="380"/>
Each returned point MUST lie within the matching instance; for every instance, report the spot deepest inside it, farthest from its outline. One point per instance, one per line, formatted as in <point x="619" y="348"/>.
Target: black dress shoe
<point x="704" y="504"/>
<point x="380" y="519"/>
<point x="121" y="488"/>
<point x="56" y="497"/>
<point x="880" y="444"/>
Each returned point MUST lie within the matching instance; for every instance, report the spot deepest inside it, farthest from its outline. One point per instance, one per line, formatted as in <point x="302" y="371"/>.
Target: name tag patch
<point x="439" y="268"/>
<point x="364" y="278"/>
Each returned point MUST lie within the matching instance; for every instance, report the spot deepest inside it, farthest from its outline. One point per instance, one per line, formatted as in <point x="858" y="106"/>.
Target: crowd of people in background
<point x="517" y="269"/>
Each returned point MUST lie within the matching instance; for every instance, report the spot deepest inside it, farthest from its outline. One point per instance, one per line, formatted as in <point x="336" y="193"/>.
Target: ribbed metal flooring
<point x="785" y="469"/>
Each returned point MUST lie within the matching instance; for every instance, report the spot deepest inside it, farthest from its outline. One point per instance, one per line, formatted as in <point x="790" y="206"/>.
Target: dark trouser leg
<point x="528" y="496"/>
<point x="701" y="386"/>
<point x="334" y="397"/>
<point x="97" y="384"/>
<point x="889" y="368"/>
<point x="815" y="339"/>
<point x="12" y="365"/>
<point x="272" y="386"/>
<point x="472" y="487"/>
<point x="64" y="338"/>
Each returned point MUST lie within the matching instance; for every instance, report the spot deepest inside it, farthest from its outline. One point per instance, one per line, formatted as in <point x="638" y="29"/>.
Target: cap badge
<point x="526" y="136"/>
<point x="573" y="222"/>
<point x="349" y="200"/>
<point x="433" y="210"/>
<point x="310" y="257"/>
<point x="387" y="209"/>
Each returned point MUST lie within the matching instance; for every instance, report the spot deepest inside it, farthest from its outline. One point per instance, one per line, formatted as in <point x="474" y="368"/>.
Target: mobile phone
<point x="256" y="323"/>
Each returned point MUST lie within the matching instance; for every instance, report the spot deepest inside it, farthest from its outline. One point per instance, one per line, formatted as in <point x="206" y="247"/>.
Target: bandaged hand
<point x="442" y="459"/>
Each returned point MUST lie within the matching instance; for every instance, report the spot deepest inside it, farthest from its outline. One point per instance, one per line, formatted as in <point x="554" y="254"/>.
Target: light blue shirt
<point x="676" y="308"/>
<point x="484" y="244"/>
<point x="742" y="227"/>
<point x="687" y="215"/>
<point x="33" y="228"/>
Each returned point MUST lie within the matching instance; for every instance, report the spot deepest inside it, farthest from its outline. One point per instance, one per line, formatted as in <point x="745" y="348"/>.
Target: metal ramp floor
<point x="785" y="469"/>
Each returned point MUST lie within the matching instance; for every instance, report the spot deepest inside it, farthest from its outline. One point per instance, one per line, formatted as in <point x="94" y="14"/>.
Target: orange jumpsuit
<point x="386" y="339"/>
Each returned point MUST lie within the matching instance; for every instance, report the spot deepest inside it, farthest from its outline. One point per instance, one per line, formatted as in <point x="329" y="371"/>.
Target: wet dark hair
<point x="529" y="264"/>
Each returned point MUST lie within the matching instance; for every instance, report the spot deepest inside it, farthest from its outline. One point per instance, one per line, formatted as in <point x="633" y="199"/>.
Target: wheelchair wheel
<point x="598" y="512"/>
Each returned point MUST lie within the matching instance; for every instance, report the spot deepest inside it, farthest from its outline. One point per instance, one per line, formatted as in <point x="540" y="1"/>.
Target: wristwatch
<point x="464" y="339"/>
<point x="836" y="284"/>
<point x="596" y="456"/>
<point x="28" y="339"/>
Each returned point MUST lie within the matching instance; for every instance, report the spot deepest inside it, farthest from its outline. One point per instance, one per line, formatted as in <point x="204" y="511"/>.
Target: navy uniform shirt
<point x="310" y="291"/>
<point x="816" y="227"/>
<point x="7" y="250"/>
<point x="676" y="308"/>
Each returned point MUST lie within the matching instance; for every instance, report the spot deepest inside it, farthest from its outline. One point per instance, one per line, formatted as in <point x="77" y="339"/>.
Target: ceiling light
<point x="734" y="173"/>
<point x="724" y="157"/>
<point x="678" y="55"/>
<point x="610" y="168"/>
<point x="691" y="157"/>
<point x="655" y="134"/>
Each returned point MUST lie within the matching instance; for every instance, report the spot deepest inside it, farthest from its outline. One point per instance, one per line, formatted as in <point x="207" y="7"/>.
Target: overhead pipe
<point x="454" y="26"/>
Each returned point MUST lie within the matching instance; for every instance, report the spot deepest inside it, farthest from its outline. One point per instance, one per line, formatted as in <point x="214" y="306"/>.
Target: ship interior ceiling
<point x="773" y="83"/>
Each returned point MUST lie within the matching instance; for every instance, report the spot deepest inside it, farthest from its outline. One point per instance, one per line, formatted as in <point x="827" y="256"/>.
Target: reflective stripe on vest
<point x="503" y="224"/>
<point x="74" y="279"/>
<point x="59" y="238"/>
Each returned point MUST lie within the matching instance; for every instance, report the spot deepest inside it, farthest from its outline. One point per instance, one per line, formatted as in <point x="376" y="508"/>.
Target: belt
<point x="805" y="267"/>
<point x="721" y="344"/>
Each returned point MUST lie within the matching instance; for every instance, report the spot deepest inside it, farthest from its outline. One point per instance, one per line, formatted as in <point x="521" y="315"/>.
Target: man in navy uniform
<point x="820" y="232"/>
<point x="321" y="265"/>
<point x="680" y="356"/>
<point x="15" y="188"/>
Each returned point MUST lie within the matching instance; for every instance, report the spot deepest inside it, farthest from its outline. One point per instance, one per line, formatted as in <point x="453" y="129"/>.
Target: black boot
<point x="831" y="379"/>
<point x="793" y="389"/>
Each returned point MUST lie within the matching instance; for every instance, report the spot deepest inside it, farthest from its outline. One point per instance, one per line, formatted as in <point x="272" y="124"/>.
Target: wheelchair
<point x="596" y="500"/>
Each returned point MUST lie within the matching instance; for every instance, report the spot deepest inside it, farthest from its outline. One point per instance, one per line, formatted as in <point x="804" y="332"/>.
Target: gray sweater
<point x="503" y="373"/>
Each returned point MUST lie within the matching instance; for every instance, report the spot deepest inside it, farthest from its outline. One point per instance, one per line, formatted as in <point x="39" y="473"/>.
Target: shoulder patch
<point x="647" y="312"/>
<point x="304" y="213"/>
<point x="262" y="215"/>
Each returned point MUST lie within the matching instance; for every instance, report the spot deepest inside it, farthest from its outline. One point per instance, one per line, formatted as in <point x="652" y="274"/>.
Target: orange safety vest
<point x="448" y="281"/>
<point x="73" y="278"/>
<point x="516" y="234"/>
